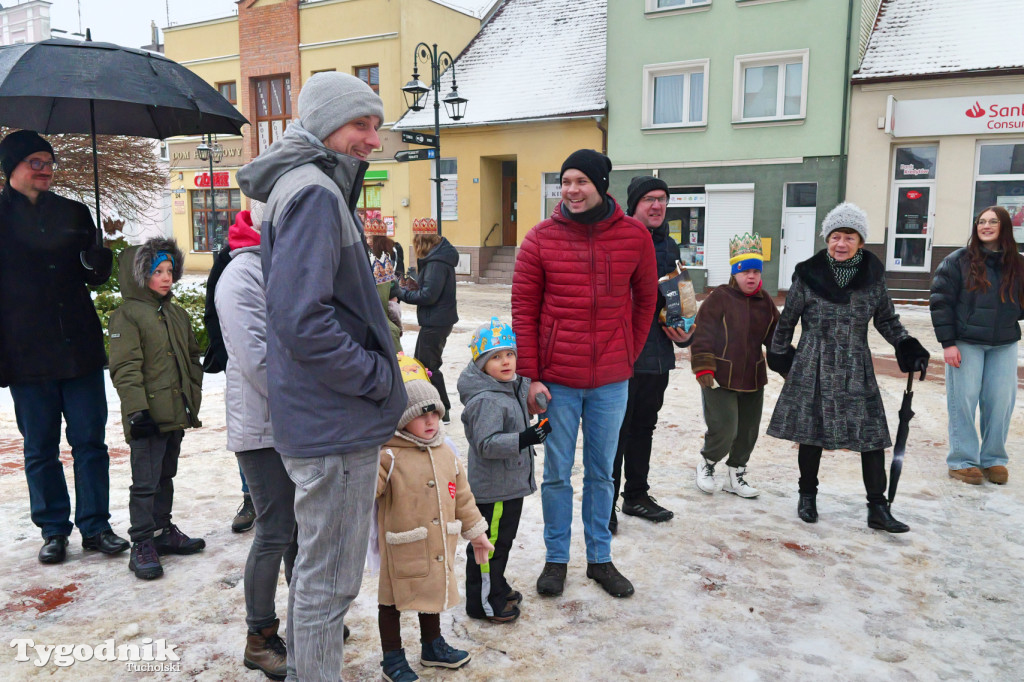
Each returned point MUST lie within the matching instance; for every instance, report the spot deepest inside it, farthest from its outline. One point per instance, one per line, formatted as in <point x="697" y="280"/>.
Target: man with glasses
<point x="51" y="346"/>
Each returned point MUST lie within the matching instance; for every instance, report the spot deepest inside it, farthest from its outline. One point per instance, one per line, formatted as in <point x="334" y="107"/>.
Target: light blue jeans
<point x="987" y="376"/>
<point x="601" y="410"/>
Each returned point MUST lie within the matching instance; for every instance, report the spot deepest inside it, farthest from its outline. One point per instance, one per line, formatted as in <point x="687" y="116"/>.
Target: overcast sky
<point x="126" y="22"/>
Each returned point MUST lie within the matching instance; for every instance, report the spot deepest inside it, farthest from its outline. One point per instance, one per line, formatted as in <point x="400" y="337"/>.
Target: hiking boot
<point x="440" y="654"/>
<point x="245" y="517"/>
<point x="265" y="651"/>
<point x="173" y="541"/>
<point x="54" y="549"/>
<point x="706" y="477"/>
<point x="552" y="579"/>
<point x="880" y="517"/>
<point x="144" y="561"/>
<point x="737" y="485"/>
<point x="997" y="474"/>
<point x="646" y="507"/>
<point x="613" y="582"/>
<point x="971" y="475"/>
<point x="395" y="668"/>
<point x="613" y="522"/>
<point x="509" y="615"/>
<point x="807" y="508"/>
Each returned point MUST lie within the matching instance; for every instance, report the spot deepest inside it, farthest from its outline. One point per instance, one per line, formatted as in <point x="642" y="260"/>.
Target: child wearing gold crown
<point x="734" y="321"/>
<point x="424" y="505"/>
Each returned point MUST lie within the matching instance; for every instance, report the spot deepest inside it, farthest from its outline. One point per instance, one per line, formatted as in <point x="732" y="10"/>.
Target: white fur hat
<point x="845" y="215"/>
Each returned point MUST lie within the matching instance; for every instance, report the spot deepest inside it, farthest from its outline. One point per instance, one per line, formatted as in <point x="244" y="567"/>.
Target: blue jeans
<point x="38" y="407"/>
<point x="601" y="410"/>
<point x="987" y="376"/>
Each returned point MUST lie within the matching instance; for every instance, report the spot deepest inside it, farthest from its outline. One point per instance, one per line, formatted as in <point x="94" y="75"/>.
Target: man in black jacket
<point x="51" y="346"/>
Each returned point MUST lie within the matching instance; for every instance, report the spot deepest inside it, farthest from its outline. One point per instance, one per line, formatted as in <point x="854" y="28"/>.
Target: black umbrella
<point x="902" y="431"/>
<point x="67" y="86"/>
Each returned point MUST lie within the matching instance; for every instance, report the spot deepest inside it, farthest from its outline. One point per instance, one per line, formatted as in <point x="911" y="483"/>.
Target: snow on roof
<point x="474" y="8"/>
<point x="533" y="59"/>
<point x="926" y="37"/>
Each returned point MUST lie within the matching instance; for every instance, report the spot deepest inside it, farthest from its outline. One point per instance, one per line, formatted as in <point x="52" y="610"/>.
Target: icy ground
<point x="731" y="589"/>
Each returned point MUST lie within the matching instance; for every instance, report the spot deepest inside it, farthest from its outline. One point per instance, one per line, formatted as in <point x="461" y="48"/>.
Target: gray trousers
<point x="733" y="419"/>
<point x="274" y="536"/>
<point x="333" y="503"/>
<point x="154" y="464"/>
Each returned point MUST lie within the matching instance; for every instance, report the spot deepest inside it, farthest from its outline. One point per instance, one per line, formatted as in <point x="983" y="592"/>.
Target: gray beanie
<point x="845" y="215"/>
<point x="423" y="399"/>
<point x="330" y="99"/>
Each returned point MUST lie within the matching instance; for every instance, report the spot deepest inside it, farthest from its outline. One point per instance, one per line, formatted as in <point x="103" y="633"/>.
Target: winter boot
<point x="997" y="474"/>
<point x="738" y="485"/>
<point x="144" y="561"/>
<point x="880" y="517"/>
<point x="646" y="507"/>
<point x="440" y="654"/>
<point x="807" y="508"/>
<point x="265" y="651"/>
<point x="245" y="517"/>
<point x="613" y="582"/>
<point x="509" y="615"/>
<point x="173" y="541"/>
<point x="396" y="668"/>
<point x="552" y="579"/>
<point x="514" y="598"/>
<point x="706" y="477"/>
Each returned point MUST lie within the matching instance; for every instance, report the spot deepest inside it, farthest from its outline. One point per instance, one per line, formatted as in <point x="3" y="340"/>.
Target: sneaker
<point x="395" y="668"/>
<point x="997" y="474"/>
<point x="514" y="598"/>
<point x="509" y="615"/>
<point x="706" y="477"/>
<point x="173" y="541"/>
<point x="646" y="507"/>
<point x="245" y="517"/>
<point x="266" y="651"/>
<point x="971" y="475"/>
<point x="440" y="654"/>
<point x="737" y="485"/>
<point x="144" y="561"/>
<point x="552" y="579"/>
<point x="613" y="582"/>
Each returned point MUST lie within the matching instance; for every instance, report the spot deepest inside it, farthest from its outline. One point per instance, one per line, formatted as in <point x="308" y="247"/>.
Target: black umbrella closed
<point x="899" y="449"/>
<point x="67" y="86"/>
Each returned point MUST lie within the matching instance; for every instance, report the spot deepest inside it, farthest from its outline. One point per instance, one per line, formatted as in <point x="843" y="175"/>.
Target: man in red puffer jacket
<point x="583" y="296"/>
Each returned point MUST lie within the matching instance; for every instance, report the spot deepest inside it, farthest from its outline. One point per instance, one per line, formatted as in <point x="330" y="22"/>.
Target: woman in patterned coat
<point x="830" y="399"/>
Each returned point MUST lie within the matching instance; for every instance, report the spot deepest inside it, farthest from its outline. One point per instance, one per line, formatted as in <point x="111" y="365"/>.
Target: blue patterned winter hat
<point x="489" y="339"/>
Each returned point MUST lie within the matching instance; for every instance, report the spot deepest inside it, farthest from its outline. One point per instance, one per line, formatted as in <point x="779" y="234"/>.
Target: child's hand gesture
<point x="481" y="548"/>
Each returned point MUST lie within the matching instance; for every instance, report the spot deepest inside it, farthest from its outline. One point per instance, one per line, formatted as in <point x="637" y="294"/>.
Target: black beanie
<point x="638" y="187"/>
<point x="17" y="146"/>
<point x="593" y="164"/>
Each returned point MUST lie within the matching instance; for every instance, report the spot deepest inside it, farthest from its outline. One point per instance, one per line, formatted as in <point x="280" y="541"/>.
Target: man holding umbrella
<point x="51" y="346"/>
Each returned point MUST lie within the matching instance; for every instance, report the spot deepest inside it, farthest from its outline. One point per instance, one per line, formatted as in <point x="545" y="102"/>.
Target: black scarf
<point x="844" y="271"/>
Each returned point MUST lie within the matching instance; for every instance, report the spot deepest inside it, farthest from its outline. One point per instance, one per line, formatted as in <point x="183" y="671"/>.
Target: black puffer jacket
<point x="435" y="297"/>
<point x="977" y="317"/>
<point x="658" y="355"/>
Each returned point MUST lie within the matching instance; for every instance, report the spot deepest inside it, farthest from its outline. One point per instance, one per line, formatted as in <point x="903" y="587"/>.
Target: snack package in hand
<point x="680" y="299"/>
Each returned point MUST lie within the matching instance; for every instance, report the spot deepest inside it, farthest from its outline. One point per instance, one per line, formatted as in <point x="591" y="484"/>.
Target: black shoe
<point x="245" y="517"/>
<point x="807" y="508"/>
<point x="613" y="582"/>
<point x="509" y="615"/>
<point x="106" y="542"/>
<point x="173" y="541"/>
<point x="345" y="634"/>
<point x="552" y="579"/>
<point x="613" y="523"/>
<point x="646" y="507"/>
<point x="54" y="550"/>
<point x="144" y="561"/>
<point x="880" y="517"/>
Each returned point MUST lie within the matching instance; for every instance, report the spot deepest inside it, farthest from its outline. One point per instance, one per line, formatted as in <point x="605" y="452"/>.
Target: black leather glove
<point x="911" y="355"/>
<point x="534" y="435"/>
<point x="781" y="363"/>
<point x="98" y="258"/>
<point x="142" y="425"/>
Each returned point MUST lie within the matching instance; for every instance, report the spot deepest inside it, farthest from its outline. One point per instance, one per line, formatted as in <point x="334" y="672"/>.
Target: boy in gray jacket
<point x="501" y="461"/>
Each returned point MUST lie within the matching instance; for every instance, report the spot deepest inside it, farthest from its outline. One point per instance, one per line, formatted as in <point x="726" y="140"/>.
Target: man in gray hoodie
<point x="334" y="388"/>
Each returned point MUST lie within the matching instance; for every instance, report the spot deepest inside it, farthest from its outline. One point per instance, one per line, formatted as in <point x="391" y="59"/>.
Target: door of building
<point x="911" y="227"/>
<point x="509" y="231"/>
<point x="730" y="211"/>
<point x="799" y="222"/>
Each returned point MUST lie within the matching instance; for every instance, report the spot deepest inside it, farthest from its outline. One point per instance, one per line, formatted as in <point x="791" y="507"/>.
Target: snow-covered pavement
<point x="730" y="589"/>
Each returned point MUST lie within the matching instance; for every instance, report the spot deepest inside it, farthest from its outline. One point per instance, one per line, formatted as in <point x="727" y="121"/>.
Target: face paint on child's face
<point x="501" y="365"/>
<point x="161" y="279"/>
<point x="424" y="426"/>
<point x="748" y="280"/>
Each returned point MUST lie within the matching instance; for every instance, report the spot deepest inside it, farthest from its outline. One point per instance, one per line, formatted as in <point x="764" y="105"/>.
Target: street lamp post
<point x="454" y="104"/>
<point x="210" y="150"/>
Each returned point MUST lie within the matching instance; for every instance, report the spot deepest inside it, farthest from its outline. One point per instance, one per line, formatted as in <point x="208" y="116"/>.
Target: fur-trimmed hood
<point x="135" y="262"/>
<point x="817" y="274"/>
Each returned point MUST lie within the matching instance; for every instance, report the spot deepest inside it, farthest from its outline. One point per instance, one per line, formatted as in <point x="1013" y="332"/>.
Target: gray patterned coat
<point x="830" y="398"/>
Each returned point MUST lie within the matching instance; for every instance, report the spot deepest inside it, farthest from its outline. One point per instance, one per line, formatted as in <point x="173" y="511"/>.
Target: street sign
<point x="420" y="138"/>
<point x="415" y="154"/>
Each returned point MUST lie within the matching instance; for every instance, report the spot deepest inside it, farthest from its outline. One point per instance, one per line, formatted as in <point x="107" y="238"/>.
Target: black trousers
<point x="646" y="396"/>
<point x="389" y="622"/>
<point x="151" y="495"/>
<point x="872" y="465"/>
<point x="429" y="345"/>
<point x="486" y="587"/>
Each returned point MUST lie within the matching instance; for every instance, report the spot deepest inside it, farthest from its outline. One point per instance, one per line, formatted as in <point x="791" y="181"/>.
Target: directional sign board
<point x="420" y="138"/>
<point x="415" y="154"/>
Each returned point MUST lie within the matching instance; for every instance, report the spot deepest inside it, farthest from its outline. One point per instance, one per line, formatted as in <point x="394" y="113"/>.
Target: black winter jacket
<point x="972" y="316"/>
<point x="435" y="297"/>
<point x="658" y="355"/>
<point x="49" y="329"/>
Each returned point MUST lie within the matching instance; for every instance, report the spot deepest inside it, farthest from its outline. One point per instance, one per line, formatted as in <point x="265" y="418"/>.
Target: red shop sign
<point x="220" y="179"/>
<point x="913" y="194"/>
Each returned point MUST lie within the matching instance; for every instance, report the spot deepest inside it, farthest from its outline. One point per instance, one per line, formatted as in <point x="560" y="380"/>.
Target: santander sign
<point x="1002" y="117"/>
<point x="957" y="115"/>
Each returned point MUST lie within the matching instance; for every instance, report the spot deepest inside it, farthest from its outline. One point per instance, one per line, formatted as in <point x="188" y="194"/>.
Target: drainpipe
<point x="604" y="133"/>
<point x="843" y="157"/>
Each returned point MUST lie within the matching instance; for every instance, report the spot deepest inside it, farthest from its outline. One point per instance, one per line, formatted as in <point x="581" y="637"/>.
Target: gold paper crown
<point x="411" y="369"/>
<point x="744" y="247"/>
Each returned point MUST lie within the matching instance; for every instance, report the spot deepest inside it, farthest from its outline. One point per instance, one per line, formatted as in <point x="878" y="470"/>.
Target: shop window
<point x="368" y="204"/>
<point x="771" y="86"/>
<point x="552" y="194"/>
<point x="912" y="209"/>
<point x="999" y="181"/>
<point x="370" y="75"/>
<point x="675" y="95"/>
<point x="228" y="91"/>
<point x="273" y="108"/>
<point x="660" y="5"/>
<point x="685" y="216"/>
<point x="210" y="221"/>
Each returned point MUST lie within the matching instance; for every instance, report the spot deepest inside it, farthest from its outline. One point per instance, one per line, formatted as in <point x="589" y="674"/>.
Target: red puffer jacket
<point x="583" y="297"/>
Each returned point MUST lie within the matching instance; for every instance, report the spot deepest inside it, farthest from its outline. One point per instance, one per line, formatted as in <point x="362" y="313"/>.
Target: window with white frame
<point x="675" y="94"/>
<point x="656" y="5"/>
<point x="770" y="86"/>
<point x="999" y="181"/>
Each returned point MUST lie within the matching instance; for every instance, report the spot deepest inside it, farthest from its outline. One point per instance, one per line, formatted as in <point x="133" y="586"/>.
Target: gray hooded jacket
<point x="494" y="415"/>
<point x="333" y="379"/>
